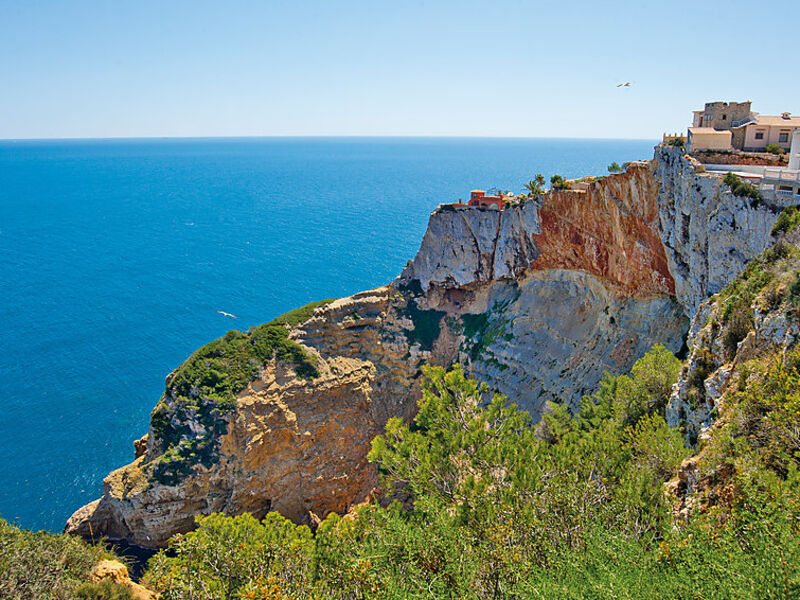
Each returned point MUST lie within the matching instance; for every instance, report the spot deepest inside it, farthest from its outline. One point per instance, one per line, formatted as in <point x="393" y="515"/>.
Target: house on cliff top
<point x="748" y="130"/>
<point x="479" y="198"/>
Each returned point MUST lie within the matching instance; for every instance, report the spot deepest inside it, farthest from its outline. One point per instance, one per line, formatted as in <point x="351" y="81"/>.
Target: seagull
<point x="626" y="84"/>
<point x="224" y="314"/>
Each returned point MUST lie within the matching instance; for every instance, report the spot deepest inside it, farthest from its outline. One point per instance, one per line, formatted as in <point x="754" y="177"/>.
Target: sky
<point x="498" y="68"/>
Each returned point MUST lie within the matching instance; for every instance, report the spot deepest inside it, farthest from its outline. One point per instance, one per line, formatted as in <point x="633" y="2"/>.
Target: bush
<point x="493" y="510"/>
<point x="104" y="590"/>
<point x="677" y="142"/>
<point x="37" y="565"/>
<point x="557" y="182"/>
<point x="787" y="221"/>
<point x="774" y="149"/>
<point x="739" y="323"/>
<point x="615" y="168"/>
<point x="742" y="189"/>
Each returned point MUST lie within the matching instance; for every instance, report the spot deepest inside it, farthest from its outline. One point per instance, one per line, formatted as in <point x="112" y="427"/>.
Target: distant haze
<point x="447" y="68"/>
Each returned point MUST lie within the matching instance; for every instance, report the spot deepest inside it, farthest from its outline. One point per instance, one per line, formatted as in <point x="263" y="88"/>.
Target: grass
<point x="300" y="315"/>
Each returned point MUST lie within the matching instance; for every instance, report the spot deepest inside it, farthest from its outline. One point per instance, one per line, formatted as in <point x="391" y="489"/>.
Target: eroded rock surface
<point x="709" y="234"/>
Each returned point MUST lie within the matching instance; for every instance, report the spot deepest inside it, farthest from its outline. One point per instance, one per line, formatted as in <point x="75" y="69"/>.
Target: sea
<point x="116" y="257"/>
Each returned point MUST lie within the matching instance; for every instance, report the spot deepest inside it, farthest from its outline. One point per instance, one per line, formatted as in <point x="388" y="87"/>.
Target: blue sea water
<point x="116" y="254"/>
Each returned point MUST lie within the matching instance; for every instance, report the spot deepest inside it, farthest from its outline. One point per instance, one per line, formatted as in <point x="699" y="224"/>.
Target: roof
<point x="709" y="131"/>
<point x="767" y="121"/>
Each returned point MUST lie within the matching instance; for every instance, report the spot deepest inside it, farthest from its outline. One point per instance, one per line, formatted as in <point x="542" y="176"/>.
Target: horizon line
<point x="356" y="136"/>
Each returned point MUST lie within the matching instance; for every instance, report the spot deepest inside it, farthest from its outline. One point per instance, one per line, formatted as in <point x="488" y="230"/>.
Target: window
<point x="783" y="137"/>
<point x="724" y="117"/>
<point x="759" y="135"/>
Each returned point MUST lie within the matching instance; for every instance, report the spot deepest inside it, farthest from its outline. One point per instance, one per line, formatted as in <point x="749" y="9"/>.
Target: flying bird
<point x="225" y="314"/>
<point x="626" y="84"/>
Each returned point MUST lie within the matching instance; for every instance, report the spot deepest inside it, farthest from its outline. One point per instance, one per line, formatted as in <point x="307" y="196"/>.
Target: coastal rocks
<point x="610" y="231"/>
<point x="551" y="294"/>
<point x="724" y="336"/>
<point x="293" y="444"/>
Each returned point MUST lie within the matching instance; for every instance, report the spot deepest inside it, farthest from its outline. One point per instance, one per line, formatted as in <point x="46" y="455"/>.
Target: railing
<point x="741" y="122"/>
<point x="781" y="176"/>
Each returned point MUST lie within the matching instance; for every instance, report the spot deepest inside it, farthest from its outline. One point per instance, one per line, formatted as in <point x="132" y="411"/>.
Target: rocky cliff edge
<point x="538" y="300"/>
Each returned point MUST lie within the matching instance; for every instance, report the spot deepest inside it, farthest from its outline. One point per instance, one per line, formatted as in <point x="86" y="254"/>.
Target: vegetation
<point x="204" y="389"/>
<point x="615" y="168"/>
<point x="40" y="565"/>
<point x="295" y="317"/>
<point x="104" y="590"/>
<point x="742" y="189"/>
<point x="494" y="508"/>
<point x="427" y="324"/>
<point x="477" y="502"/>
<point x="535" y="187"/>
<point x="774" y="149"/>
<point x="787" y="221"/>
<point x="482" y="329"/>
<point x="678" y="142"/>
<point x="557" y="182"/>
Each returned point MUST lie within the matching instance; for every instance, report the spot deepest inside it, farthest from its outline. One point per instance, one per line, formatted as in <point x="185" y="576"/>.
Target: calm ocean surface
<point x="116" y="255"/>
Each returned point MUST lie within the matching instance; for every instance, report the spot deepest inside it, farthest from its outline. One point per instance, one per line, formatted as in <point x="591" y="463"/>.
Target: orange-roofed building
<point x="479" y="198"/>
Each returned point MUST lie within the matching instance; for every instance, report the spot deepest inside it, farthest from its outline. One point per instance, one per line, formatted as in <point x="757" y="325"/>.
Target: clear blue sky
<point x="464" y="68"/>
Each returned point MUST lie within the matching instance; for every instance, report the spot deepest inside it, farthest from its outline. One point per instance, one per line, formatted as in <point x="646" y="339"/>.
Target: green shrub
<point x="787" y="221"/>
<point x="41" y="565"/>
<point x="677" y="142"/>
<point x="426" y="325"/>
<point x="300" y="315"/>
<point x="557" y="182"/>
<point x="495" y="509"/>
<point x="615" y="168"/>
<point x="742" y="189"/>
<point x="738" y="325"/>
<point x="104" y="590"/>
<point x="774" y="149"/>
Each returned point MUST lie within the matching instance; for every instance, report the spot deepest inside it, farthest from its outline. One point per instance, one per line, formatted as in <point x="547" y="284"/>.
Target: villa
<point x="746" y="130"/>
<point x="479" y="198"/>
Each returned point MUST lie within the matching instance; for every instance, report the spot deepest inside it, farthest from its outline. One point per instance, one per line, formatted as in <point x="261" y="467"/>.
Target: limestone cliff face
<point x="537" y="300"/>
<point x="551" y="294"/>
<point x="709" y="234"/>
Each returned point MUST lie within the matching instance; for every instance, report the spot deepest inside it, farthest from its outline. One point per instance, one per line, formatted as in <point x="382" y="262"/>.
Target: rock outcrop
<point x="709" y="234"/>
<point x="292" y="444"/>
<point x="116" y="572"/>
<point x="736" y="337"/>
<point x="537" y="300"/>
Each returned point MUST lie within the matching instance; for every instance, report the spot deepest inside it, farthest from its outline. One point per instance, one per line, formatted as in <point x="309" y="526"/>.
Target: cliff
<point x="537" y="300"/>
<point x="709" y="234"/>
<point x="736" y="399"/>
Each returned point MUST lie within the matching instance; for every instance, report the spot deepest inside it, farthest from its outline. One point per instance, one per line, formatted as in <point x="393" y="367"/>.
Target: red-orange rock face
<point x="610" y="231"/>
